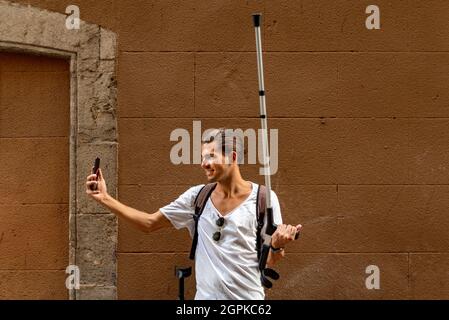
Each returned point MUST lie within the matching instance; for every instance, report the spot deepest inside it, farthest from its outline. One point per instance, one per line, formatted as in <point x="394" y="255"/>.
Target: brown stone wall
<point x="362" y="118"/>
<point x="34" y="166"/>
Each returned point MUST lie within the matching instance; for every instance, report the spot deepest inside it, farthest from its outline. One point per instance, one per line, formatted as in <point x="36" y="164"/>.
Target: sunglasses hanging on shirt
<point x="220" y="222"/>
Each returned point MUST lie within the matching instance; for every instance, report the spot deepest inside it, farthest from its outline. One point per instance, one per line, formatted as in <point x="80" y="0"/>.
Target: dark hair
<point x="229" y="142"/>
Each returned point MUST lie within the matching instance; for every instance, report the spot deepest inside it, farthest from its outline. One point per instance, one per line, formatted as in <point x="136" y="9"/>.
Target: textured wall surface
<point x="362" y="118"/>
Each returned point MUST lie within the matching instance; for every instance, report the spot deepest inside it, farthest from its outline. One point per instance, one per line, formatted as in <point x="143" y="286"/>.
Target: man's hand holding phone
<point x="95" y="184"/>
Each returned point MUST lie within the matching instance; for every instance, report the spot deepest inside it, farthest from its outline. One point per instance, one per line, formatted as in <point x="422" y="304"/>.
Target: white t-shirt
<point x="227" y="269"/>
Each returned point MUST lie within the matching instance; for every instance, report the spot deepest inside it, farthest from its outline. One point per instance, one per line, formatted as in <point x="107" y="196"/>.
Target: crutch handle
<point x="183" y="272"/>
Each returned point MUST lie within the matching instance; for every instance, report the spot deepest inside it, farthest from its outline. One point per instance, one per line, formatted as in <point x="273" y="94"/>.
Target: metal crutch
<point x="271" y="226"/>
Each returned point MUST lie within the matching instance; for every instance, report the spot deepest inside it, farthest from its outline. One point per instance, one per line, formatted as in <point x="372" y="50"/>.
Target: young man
<point x="226" y="261"/>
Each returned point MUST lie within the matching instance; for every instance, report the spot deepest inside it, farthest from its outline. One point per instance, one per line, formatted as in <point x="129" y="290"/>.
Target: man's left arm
<point x="280" y="238"/>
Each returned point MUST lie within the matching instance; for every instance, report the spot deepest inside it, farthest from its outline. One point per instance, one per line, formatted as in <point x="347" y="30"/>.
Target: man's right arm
<point x="139" y="219"/>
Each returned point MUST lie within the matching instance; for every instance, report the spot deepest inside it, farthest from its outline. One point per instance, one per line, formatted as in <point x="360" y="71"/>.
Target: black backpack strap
<point x="200" y="203"/>
<point x="261" y="206"/>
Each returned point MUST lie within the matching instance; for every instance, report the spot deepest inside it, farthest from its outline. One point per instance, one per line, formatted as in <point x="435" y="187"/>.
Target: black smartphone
<point x="93" y="187"/>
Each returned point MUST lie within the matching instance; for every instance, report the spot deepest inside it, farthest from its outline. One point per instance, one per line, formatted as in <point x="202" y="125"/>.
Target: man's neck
<point x="233" y="187"/>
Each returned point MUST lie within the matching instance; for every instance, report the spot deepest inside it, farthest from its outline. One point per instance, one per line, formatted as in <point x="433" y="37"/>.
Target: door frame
<point x="91" y="52"/>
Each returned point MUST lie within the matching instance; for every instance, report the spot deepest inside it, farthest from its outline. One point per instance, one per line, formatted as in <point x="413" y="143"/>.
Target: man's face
<point x="213" y="162"/>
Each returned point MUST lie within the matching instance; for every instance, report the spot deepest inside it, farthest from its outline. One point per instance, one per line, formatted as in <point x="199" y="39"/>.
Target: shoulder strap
<point x="261" y="206"/>
<point x="200" y="203"/>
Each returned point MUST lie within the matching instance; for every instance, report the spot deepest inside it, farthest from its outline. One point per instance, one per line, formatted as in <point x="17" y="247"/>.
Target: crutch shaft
<point x="263" y="109"/>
